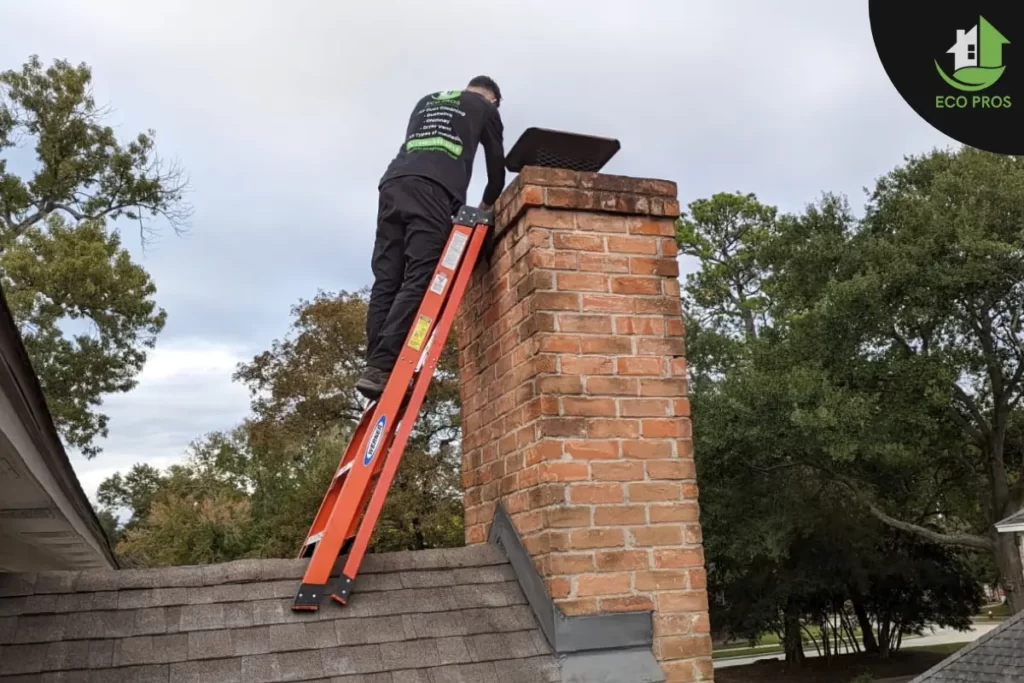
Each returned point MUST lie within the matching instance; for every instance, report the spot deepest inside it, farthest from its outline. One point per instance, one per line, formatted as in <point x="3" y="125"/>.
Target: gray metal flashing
<point x="612" y="666"/>
<point x="598" y="648"/>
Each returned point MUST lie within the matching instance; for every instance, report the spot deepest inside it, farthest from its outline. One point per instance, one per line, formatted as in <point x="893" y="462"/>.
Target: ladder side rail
<point x="397" y="450"/>
<point x="343" y="516"/>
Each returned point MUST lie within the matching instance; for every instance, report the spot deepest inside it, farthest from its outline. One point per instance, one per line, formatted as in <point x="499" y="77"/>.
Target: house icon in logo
<point x="965" y="51"/>
<point x="977" y="57"/>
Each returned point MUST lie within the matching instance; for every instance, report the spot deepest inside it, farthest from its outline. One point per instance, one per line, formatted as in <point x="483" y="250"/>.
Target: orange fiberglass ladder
<point x="357" y="491"/>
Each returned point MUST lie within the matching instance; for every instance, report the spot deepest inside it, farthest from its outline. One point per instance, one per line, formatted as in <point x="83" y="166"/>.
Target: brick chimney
<point x="574" y="400"/>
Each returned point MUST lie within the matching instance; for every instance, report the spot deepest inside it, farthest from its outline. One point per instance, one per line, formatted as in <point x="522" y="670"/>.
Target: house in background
<point x="46" y="520"/>
<point x="1014" y="524"/>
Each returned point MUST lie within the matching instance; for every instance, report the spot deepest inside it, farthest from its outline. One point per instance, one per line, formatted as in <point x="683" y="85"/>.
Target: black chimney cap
<point x="559" y="149"/>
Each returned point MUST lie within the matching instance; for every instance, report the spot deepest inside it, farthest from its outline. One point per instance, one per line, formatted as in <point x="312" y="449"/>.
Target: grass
<point x="728" y="653"/>
<point x="994" y="613"/>
<point x="944" y="649"/>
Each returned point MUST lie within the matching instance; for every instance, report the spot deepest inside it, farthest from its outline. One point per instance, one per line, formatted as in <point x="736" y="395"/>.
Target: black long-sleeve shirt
<point x="444" y="131"/>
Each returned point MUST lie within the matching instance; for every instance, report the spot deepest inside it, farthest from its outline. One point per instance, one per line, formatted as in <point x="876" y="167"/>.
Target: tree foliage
<point x="85" y="310"/>
<point x="253" y="491"/>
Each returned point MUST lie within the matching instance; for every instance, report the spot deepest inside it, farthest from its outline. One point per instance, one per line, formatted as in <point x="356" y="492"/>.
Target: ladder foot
<point x="308" y="598"/>
<point x="344" y="589"/>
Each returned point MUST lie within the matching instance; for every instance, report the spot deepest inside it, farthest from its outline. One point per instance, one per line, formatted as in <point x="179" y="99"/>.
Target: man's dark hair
<point x="487" y="82"/>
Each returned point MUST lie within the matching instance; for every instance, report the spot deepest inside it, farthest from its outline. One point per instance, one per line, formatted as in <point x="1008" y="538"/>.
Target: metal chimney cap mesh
<point x="560" y="149"/>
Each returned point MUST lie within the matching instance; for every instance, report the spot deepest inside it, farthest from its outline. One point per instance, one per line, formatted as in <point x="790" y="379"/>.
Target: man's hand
<point x="484" y="207"/>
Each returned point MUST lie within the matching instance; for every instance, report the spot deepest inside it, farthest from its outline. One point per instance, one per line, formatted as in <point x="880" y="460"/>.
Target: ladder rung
<point x="343" y="470"/>
<point x="313" y="539"/>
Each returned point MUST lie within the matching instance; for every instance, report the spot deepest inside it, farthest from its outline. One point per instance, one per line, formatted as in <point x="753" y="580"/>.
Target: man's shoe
<point x="372" y="382"/>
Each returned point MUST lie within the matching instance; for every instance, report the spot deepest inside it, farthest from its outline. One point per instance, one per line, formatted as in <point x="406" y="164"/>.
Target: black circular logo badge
<point x="960" y="66"/>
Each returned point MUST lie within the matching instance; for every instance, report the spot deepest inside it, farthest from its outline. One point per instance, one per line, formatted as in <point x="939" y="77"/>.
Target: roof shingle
<point x="996" y="657"/>
<point x="443" y="616"/>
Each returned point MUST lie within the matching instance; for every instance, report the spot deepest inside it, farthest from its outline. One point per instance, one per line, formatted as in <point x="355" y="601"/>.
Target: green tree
<point x="85" y="310"/>
<point x="281" y="460"/>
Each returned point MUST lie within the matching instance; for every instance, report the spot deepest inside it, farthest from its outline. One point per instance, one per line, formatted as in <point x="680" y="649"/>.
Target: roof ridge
<point x="969" y="648"/>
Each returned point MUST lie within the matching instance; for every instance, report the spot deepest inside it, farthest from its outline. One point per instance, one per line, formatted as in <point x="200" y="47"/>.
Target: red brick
<point x="545" y="450"/>
<point x="684" y="671"/>
<point x="647" y="226"/>
<point x="618" y="515"/>
<point x="558" y="587"/>
<point x="644" y="407"/>
<point x="636" y="603"/>
<point x="657" y="535"/>
<point x="602" y="584"/>
<point x="633" y="245"/>
<point x="562" y="427"/>
<point x="564" y="471"/>
<point x="679" y="367"/>
<point x="613" y="386"/>
<point x="684" y="448"/>
<point x="644" y="449"/>
<point x="574" y="517"/>
<point x="592" y="324"/>
<point x="662" y="387"/>
<point x="682" y="601"/>
<point x="558" y="260"/>
<point x="645" y="326"/>
<point x="669" y="247"/>
<point x="577" y="242"/>
<point x="545" y="218"/>
<point x="685" y="647"/>
<point x="676" y="512"/>
<point x="575" y="608"/>
<point x="575" y="563"/>
<point x="556" y="301"/>
<point x="681" y="407"/>
<point x="558" y="343"/>
<point x="600" y="222"/>
<point x="601" y="263"/>
<point x="657" y="347"/>
<point x="586" y="365"/>
<point x="702" y="624"/>
<point x="664" y="428"/>
<point x="560" y="384"/>
<point x="590" y="494"/>
<point x="672" y="625"/>
<point x="607" y="303"/>
<point x="671" y="469"/>
<point x="617" y="471"/>
<point x="596" y="344"/>
<point x="584" y="539"/>
<point x="592" y="449"/>
<point x="662" y="580"/>
<point x="623" y="284"/>
<point x="698" y="578"/>
<point x="614" y="429"/>
<point x="570" y="198"/>
<point x="648" y="492"/>
<point x="640" y="365"/>
<point x="582" y="282"/>
<point x="670" y="288"/>
<point x="591" y="407"/>
<point x="666" y="267"/>
<point x="692" y="534"/>
<point x="660" y="305"/>
<point x="674" y="324"/>
<point x="621" y="560"/>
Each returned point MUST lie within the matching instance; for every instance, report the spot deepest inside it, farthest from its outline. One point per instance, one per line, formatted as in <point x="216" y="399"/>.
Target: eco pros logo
<point x="977" y="65"/>
<point x="955" y="68"/>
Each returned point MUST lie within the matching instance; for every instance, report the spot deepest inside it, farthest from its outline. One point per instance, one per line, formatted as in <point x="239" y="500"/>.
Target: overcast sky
<point x="285" y="114"/>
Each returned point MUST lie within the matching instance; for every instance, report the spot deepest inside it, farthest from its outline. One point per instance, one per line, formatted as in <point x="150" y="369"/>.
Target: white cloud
<point x="286" y="114"/>
<point x="184" y="391"/>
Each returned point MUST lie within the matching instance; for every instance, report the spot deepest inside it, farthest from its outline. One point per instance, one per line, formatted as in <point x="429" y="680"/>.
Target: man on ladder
<point x="423" y="187"/>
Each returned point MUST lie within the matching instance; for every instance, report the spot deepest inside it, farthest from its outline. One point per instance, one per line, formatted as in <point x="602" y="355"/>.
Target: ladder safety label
<point x="454" y="252"/>
<point x="375" y="439"/>
<point x="437" y="286"/>
<point x="419" y="333"/>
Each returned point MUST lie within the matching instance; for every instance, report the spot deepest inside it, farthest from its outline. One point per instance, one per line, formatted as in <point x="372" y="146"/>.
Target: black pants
<point x="414" y="220"/>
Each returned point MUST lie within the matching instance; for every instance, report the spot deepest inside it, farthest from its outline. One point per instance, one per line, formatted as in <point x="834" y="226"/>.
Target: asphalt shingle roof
<point x="438" y="616"/>
<point x="996" y="657"/>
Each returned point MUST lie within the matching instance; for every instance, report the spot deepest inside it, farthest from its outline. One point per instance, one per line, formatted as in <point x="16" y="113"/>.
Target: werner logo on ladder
<point x="357" y="492"/>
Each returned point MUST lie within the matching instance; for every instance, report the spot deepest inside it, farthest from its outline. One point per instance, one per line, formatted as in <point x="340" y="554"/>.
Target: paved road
<point x="941" y="636"/>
